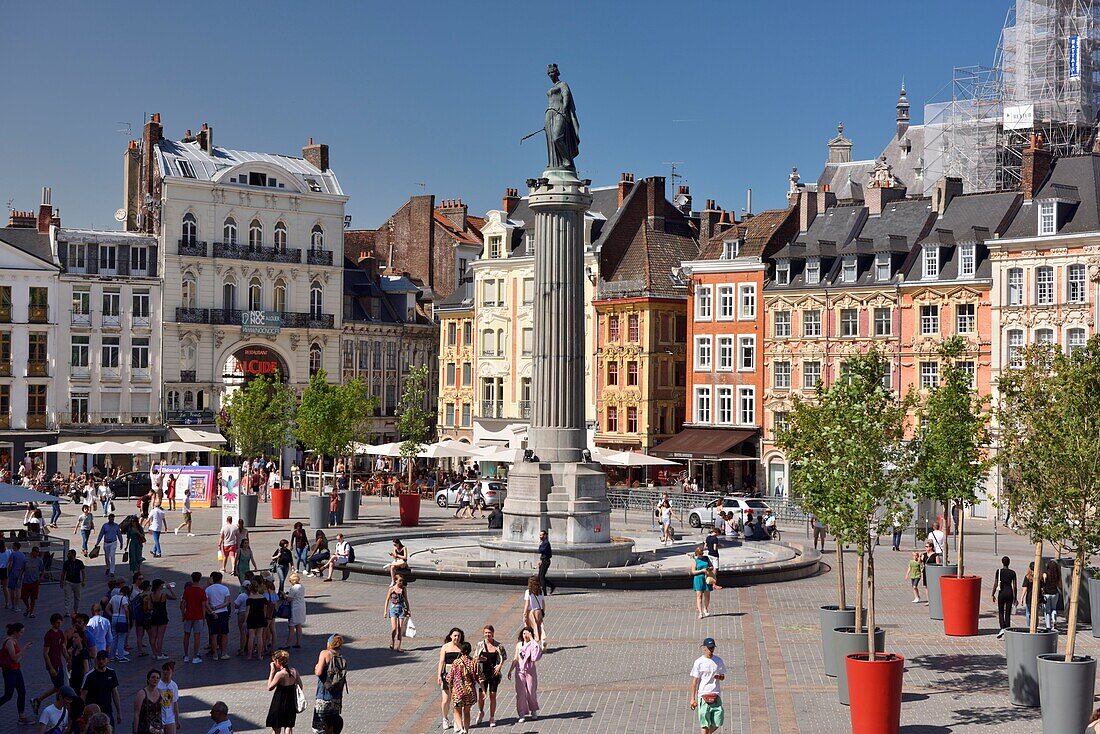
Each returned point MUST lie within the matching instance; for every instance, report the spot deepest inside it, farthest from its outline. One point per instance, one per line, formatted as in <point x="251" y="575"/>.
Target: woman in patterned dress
<point x="463" y="679"/>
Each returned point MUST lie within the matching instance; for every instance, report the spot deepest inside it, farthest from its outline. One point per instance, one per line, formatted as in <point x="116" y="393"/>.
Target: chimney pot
<point x="156" y="117"/>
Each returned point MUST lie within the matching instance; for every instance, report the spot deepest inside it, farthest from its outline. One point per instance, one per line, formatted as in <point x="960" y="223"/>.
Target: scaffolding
<point x="1045" y="79"/>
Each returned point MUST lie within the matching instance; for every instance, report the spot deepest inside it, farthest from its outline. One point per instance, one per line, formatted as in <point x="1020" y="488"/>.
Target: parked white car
<point x="742" y="508"/>
<point x="492" y="490"/>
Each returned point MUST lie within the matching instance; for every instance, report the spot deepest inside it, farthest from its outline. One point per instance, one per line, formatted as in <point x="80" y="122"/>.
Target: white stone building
<point x="250" y="249"/>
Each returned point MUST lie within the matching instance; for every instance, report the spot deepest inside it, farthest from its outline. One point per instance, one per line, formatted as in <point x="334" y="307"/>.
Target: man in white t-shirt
<point x="937" y="538"/>
<point x="707" y="675"/>
<point x="341" y="557"/>
<point x="217" y="599"/>
<point x="55" y="717"/>
<point x="158" y="523"/>
<point x="219" y="712"/>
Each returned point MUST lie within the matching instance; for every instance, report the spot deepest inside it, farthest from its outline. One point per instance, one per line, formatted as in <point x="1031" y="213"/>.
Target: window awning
<point x="193" y="435"/>
<point x="706" y="444"/>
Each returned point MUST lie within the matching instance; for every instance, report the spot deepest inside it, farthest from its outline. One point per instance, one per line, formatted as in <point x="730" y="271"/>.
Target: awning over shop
<point x="194" y="435"/>
<point x="704" y="444"/>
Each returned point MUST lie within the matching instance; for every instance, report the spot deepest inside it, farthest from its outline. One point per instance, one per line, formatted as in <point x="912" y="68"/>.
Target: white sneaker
<point x="446" y="724"/>
<point x="521" y="719"/>
<point x="190" y="535"/>
<point x="196" y="660"/>
<point x="186" y="659"/>
<point x="176" y="531"/>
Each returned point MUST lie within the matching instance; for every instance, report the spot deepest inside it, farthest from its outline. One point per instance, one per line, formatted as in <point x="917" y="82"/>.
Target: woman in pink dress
<point x="528" y="651"/>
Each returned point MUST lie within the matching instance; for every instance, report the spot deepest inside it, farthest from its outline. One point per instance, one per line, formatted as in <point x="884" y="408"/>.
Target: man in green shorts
<point x="707" y="675"/>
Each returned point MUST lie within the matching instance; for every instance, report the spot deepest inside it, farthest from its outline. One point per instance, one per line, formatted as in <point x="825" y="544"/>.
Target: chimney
<point x="903" y="113"/>
<point x="455" y="211"/>
<point x="683" y="200"/>
<point x="748" y="203"/>
<point x="626" y="183"/>
<point x="510" y="201"/>
<point x="151" y="136"/>
<point x="947" y="188"/>
<point x="655" y="201"/>
<point x="131" y="185"/>
<point x="825" y="199"/>
<point x="875" y="198"/>
<point x="708" y="220"/>
<point x="316" y="154"/>
<point x="1035" y="167"/>
<point x="807" y="209"/>
<point x="22" y="220"/>
<point x="45" y="211"/>
<point x="205" y="138"/>
<point x="368" y="263"/>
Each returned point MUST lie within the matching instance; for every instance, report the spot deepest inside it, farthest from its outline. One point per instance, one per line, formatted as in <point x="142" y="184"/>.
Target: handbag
<point x="299" y="697"/>
<point x="283" y="610"/>
<point x="410" y="628"/>
<point x="94" y="552"/>
<point x="125" y="556"/>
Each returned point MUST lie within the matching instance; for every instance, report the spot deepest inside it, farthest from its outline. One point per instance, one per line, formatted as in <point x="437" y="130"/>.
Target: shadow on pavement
<point x="994" y="716"/>
<point x="924" y="729"/>
<point x="964" y="672"/>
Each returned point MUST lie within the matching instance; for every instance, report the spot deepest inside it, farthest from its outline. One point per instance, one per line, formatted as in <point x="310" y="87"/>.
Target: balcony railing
<point x="524" y="408"/>
<point x="111" y="373"/>
<point x="112" y="321"/>
<point x="226" y="316"/>
<point x="187" y="376"/>
<point x="232" y="317"/>
<point x="38" y="314"/>
<point x="319" y="257"/>
<point x="189" y="417"/>
<point x="81" y="319"/>
<point x="188" y="315"/>
<point x="192" y="247"/>
<point x="140" y="373"/>
<point x="35" y="420"/>
<point x="492" y="409"/>
<point x="80" y="371"/>
<point x="84" y="418"/>
<point x="5" y="368"/>
<point x="308" y="320"/>
<point x="38" y="368"/>
<point x="258" y="254"/>
<point x="142" y="321"/>
<point x="5" y="421"/>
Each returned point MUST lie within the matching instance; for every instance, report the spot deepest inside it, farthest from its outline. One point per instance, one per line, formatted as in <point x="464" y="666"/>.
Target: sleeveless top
<point x="149" y="721"/>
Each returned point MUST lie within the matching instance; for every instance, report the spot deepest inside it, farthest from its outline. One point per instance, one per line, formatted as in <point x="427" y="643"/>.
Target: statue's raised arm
<point x="562" y="128"/>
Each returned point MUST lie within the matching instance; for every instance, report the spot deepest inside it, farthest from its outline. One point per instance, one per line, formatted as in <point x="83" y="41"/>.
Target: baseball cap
<point x="67" y="692"/>
<point x="708" y="642"/>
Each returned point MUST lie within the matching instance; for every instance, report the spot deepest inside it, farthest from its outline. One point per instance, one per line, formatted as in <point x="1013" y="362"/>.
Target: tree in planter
<point x="330" y="417"/>
<point x="951" y="456"/>
<point x="257" y="415"/>
<point x="414" y="424"/>
<point x="853" y="464"/>
<point x="1049" y="417"/>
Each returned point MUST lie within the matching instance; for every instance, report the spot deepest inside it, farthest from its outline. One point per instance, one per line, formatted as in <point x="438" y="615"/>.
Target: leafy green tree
<point x="853" y="464"/>
<point x="258" y="415"/>
<point x="951" y="454"/>
<point x="331" y="417"/>
<point x="414" y="425"/>
<point x="1049" y="421"/>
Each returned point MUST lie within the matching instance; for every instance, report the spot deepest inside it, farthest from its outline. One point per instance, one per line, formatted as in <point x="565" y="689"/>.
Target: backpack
<point x="336" y="677"/>
<point x="351" y="553"/>
<point x="62" y="723"/>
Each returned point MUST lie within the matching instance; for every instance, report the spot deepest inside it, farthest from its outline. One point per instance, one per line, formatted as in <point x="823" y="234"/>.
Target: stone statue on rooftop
<point x="562" y="128"/>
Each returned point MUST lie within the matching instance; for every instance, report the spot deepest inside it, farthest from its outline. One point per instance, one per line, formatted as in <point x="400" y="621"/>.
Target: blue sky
<point x="439" y="93"/>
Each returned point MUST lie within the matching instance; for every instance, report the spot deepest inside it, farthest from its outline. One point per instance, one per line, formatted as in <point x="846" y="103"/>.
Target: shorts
<point x="340" y="561"/>
<point x="489" y="682"/>
<point x="13" y="582"/>
<point x="219" y="624"/>
<point x="193" y="625"/>
<point x="29" y="591"/>
<point x="397" y="610"/>
<point x="3" y="574"/>
<point x="187" y="518"/>
<point x="120" y="627"/>
<point x="915" y="582"/>
<point x="226" y="550"/>
<point x="711" y="715"/>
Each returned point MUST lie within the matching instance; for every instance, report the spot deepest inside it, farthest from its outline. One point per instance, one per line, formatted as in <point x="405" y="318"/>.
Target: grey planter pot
<point x="247" y="507"/>
<point x="845" y="642"/>
<point x="832" y="617"/>
<point x="933" y="572"/>
<point x="1022" y="650"/>
<point x="1094" y="593"/>
<point x="1084" y="607"/>
<point x="318" y="512"/>
<point x="350" y="499"/>
<point x="1066" y="691"/>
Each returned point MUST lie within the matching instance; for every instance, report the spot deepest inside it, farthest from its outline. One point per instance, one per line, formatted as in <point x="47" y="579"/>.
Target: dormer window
<point x="813" y="271"/>
<point x="730" y="249"/>
<point x="848" y="272"/>
<point x="783" y="272"/>
<point x="931" y="267"/>
<point x="1048" y="222"/>
<point x="966" y="261"/>
<point x="257" y="179"/>
<point x="882" y="267"/>
<point x="494" y="247"/>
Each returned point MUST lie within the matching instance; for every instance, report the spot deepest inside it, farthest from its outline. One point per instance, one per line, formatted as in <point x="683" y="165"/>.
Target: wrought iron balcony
<point x="188" y="315"/>
<point x="192" y="247"/>
<point x="258" y="254"/>
<point x="84" y="418"/>
<point x="38" y="368"/>
<point x="232" y="317"/>
<point x="308" y="320"/>
<point x="319" y="257"/>
<point x="225" y="316"/>
<point x="38" y="314"/>
<point x="524" y="408"/>
<point x="37" y="420"/>
<point x="492" y="409"/>
<point x="5" y="369"/>
<point x="5" y="314"/>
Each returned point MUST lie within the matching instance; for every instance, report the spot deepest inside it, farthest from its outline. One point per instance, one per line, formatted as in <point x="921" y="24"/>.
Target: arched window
<point x="487" y="342"/>
<point x="255" y="295"/>
<point x="188" y="400"/>
<point x="190" y="229"/>
<point x="229" y="295"/>
<point x="255" y="235"/>
<point x="229" y="231"/>
<point x="200" y="402"/>
<point x="1044" y="336"/>
<point x="279" y="304"/>
<point x="189" y="291"/>
<point x="314" y="359"/>
<point x="316" y="300"/>
<point x="172" y="402"/>
<point x="317" y="237"/>
<point x="1015" y="348"/>
<point x="280" y="237"/>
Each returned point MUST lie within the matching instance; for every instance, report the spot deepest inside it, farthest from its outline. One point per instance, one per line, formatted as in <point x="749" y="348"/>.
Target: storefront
<point x="725" y="459"/>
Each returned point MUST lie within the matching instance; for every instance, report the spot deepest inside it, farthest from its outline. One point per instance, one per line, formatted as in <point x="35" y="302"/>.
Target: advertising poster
<point x="229" y="488"/>
<point x="200" y="479"/>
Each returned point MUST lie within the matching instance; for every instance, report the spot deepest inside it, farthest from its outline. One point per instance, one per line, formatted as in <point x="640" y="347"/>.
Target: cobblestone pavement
<point x="618" y="661"/>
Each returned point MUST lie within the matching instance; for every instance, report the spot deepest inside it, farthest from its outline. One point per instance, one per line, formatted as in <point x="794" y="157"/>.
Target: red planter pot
<point x="409" y="508"/>
<point x="961" y="598"/>
<point x="280" y="503"/>
<point x="874" y="692"/>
